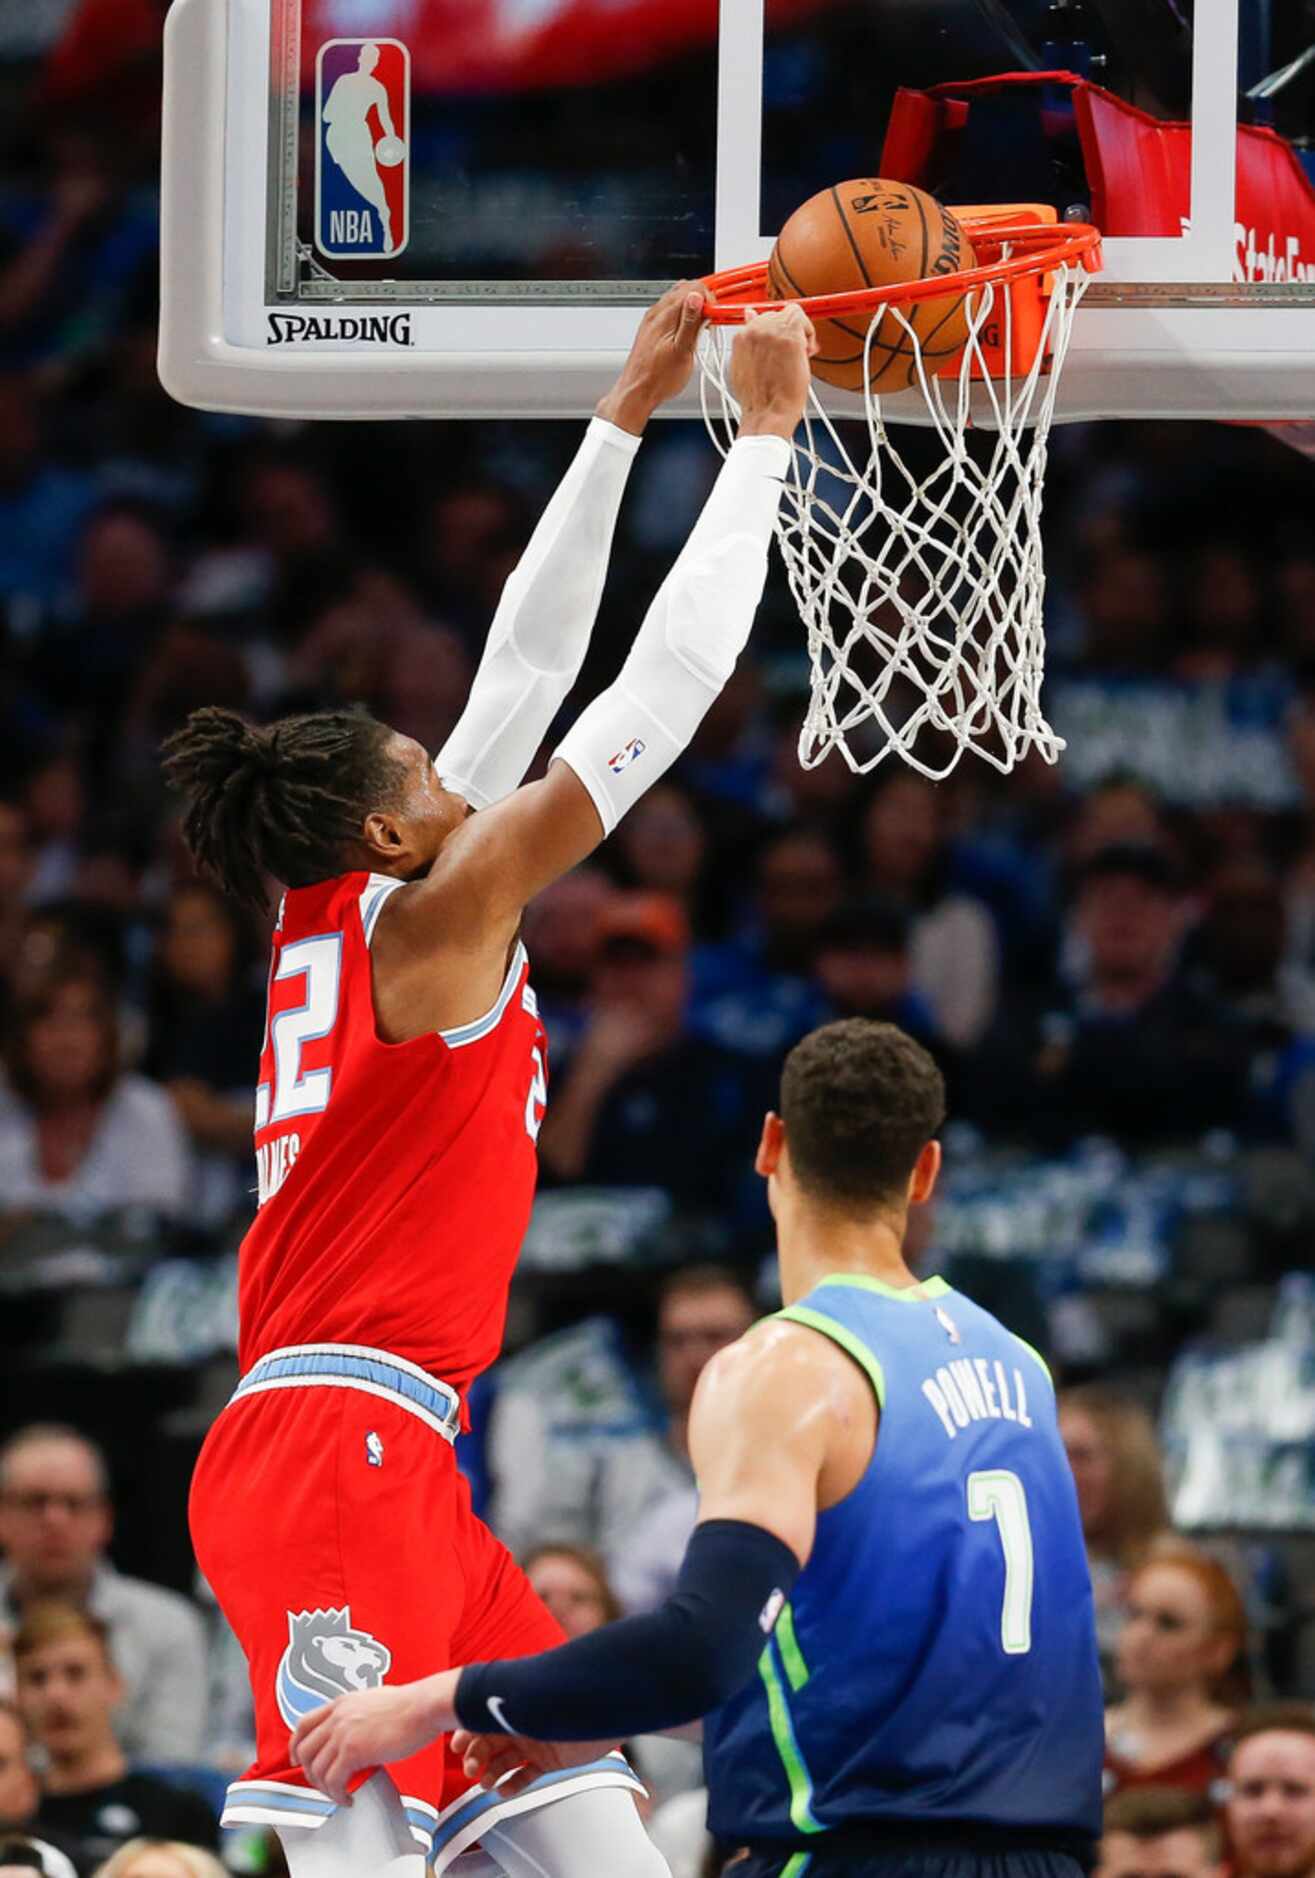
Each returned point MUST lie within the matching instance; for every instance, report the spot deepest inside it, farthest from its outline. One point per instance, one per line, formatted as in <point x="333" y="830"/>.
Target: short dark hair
<point x="700" y="1280"/>
<point x="1151" y="1812"/>
<point x="1271" y="1718"/>
<point x="859" y="1100"/>
<point x="286" y="799"/>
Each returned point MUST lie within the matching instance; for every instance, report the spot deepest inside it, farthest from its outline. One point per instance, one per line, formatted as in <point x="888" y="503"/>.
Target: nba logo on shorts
<point x="362" y="149"/>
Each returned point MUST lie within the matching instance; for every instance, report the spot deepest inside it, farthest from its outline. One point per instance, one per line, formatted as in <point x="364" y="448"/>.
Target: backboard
<point x="460" y="207"/>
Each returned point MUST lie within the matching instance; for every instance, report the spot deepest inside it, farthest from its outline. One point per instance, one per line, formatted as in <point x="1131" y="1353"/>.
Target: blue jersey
<point x="937" y="1661"/>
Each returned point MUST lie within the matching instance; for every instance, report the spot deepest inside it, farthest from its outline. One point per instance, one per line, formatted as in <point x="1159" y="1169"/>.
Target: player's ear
<point x="768" y="1157"/>
<point x="384" y="835"/>
<point x="926" y="1169"/>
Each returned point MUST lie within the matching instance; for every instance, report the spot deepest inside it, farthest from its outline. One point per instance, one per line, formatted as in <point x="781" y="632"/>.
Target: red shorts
<point x="334" y="1527"/>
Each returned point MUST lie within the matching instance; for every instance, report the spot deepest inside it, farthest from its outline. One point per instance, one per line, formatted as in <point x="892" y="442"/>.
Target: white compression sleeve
<point x="686" y="649"/>
<point x="540" y="632"/>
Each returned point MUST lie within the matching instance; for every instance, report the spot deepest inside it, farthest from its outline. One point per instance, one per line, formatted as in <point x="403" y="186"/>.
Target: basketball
<point x="389" y="151"/>
<point x="870" y="233"/>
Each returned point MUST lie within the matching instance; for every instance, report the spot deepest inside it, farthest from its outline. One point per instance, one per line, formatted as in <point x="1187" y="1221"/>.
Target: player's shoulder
<point x="782" y="1363"/>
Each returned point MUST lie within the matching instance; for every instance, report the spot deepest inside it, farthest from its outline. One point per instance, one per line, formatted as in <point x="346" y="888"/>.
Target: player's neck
<point x="1168" y="1708"/>
<point x="814" y="1244"/>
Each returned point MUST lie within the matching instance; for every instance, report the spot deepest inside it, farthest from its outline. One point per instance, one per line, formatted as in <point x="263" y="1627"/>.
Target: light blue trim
<point x="471" y="1033"/>
<point x="238" y="1795"/>
<point x="373" y="900"/>
<point x="434" y="1397"/>
<point x="484" y="1802"/>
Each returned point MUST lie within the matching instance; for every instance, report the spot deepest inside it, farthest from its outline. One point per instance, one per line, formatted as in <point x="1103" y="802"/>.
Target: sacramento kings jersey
<point x="937" y="1662"/>
<point x="394" y="1180"/>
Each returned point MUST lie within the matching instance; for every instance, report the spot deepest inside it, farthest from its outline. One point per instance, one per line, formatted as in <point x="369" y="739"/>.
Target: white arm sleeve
<point x="540" y="632"/>
<point x="694" y="632"/>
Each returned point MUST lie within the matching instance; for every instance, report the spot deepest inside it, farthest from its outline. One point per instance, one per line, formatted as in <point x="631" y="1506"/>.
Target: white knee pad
<point x="368" y="1839"/>
<point x="595" y="1834"/>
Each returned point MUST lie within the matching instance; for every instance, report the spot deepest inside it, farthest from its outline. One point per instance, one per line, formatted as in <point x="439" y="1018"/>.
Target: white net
<point x="916" y="564"/>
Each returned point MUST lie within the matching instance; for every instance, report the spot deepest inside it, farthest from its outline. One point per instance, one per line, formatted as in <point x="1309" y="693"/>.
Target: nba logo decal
<point x="362" y="149"/>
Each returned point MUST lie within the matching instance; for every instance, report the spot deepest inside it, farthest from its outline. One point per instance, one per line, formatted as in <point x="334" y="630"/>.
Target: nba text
<point x="372" y="329"/>
<point x="973" y="1390"/>
<point x="274" y="1162"/>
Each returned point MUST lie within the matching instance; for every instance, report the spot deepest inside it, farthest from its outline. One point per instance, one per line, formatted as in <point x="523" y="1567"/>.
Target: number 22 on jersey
<point x="295" y="1091"/>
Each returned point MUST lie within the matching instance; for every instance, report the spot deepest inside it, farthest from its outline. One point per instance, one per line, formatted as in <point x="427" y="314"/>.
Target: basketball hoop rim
<point x="1045" y="247"/>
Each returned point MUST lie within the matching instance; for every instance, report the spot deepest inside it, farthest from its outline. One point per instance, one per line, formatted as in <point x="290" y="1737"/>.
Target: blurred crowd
<point x="1121" y="948"/>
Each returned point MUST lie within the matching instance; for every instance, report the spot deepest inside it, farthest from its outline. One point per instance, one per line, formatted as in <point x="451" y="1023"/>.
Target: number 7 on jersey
<point x="995" y="1493"/>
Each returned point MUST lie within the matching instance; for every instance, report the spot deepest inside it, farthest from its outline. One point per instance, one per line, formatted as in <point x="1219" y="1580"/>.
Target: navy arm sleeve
<point x="654" y="1671"/>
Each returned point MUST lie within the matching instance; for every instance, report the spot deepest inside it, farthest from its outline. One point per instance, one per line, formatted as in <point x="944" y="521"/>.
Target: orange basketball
<point x="870" y="233"/>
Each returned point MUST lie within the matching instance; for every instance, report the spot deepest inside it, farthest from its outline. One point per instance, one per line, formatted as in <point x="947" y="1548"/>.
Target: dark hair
<point x="1272" y="1718"/>
<point x="286" y="798"/>
<point x="1151" y="1812"/>
<point x="860" y="1100"/>
<point x="72" y="971"/>
<point x="701" y="1280"/>
<point x="1132" y="860"/>
<point x="22" y="1852"/>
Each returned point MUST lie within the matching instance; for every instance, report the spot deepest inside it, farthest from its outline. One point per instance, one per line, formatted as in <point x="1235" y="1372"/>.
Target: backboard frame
<point x="1165" y="332"/>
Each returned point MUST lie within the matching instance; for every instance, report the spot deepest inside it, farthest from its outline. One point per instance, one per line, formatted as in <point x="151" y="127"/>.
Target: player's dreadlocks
<point x="285" y="799"/>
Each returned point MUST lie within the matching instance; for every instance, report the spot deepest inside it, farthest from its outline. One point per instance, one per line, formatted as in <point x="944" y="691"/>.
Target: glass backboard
<point x="461" y="206"/>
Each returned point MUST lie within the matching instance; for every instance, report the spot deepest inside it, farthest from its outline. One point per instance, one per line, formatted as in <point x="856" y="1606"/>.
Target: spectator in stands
<point x="644" y="1103"/>
<point x="1178" y="1658"/>
<point x="89" y="652"/>
<point x="19" y="1793"/>
<point x="753" y="991"/>
<point x="206" y="1020"/>
<point x="1240" y="952"/>
<point x="700" y="1311"/>
<point x="663" y="847"/>
<point x="68" y="1689"/>
<point x="561" y="936"/>
<point x="161" y="1858"/>
<point x="953" y="946"/>
<point x="16" y="865"/>
<point x="1133" y="1051"/>
<point x="579" y="1449"/>
<point x="1271" y="1802"/>
<point x="43" y="506"/>
<point x="69" y="255"/>
<point x="1121" y="811"/>
<point x="1117" y="1470"/>
<point x="573" y="1583"/>
<point x="1160" y="1832"/>
<point x="864" y="969"/>
<point x="55" y="1523"/>
<point x="78" y="1137"/>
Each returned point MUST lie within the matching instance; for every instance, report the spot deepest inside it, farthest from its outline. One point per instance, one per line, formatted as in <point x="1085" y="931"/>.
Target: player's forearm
<point x="653" y="1672"/>
<point x="694" y="632"/>
<point x="542" y="627"/>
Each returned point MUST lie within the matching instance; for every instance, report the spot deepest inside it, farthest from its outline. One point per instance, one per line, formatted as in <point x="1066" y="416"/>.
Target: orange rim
<point x="1039" y="249"/>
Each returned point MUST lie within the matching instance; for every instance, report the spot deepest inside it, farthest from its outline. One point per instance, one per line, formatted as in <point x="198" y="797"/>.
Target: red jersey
<point x="394" y="1180"/>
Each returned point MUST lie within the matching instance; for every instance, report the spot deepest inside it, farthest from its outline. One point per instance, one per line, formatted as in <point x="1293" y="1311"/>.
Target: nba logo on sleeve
<point x="362" y="149"/>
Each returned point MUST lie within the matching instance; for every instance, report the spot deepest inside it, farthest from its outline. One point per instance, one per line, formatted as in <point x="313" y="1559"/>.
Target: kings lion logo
<point x="326" y="1658"/>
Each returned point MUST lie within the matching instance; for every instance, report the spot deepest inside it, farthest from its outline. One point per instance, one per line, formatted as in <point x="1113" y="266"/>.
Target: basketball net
<point x="921" y="589"/>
